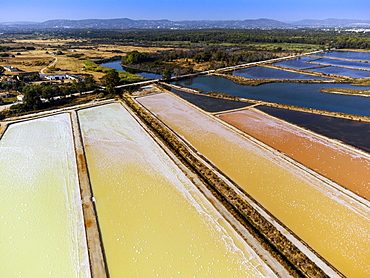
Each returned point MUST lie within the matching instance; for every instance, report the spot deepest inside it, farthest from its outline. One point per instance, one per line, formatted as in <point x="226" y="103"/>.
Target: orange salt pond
<point x="332" y="223"/>
<point x="154" y="221"/>
<point x="346" y="167"/>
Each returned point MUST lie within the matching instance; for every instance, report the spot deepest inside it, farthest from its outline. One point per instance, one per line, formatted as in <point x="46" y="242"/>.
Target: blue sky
<point x="284" y="10"/>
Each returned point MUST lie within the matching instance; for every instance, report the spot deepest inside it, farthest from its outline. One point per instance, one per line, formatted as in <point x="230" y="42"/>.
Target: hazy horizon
<point x="282" y="10"/>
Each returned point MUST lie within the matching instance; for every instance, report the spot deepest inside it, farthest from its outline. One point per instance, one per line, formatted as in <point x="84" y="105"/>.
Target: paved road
<point x="6" y="106"/>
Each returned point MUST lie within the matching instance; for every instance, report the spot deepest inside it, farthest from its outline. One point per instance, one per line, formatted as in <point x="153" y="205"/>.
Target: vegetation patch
<point x="125" y="77"/>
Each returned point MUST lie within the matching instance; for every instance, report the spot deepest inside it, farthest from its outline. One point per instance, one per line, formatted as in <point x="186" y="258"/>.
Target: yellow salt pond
<point x="154" y="221"/>
<point x="333" y="224"/>
<point x="41" y="223"/>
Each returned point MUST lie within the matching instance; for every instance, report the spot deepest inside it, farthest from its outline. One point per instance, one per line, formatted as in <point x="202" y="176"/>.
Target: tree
<point x="79" y="86"/>
<point x="32" y="100"/>
<point x="1" y="70"/>
<point x="135" y="57"/>
<point x="111" y="79"/>
<point x="166" y="74"/>
<point x="89" y="82"/>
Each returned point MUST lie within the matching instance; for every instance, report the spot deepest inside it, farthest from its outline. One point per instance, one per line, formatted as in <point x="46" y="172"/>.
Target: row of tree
<point x="332" y="38"/>
<point x="35" y="94"/>
<point x="170" y="60"/>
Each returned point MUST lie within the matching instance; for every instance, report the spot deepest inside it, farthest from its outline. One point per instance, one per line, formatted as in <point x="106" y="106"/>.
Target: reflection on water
<point x="154" y="221"/>
<point x="41" y="222"/>
<point x="330" y="222"/>
<point x="117" y="65"/>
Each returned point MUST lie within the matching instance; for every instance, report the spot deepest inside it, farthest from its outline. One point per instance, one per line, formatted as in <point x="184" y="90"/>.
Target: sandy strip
<point x="96" y="256"/>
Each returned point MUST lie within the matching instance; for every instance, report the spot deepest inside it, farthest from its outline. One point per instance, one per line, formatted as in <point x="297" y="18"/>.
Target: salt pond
<point x="298" y="63"/>
<point x="344" y="166"/>
<point x="41" y="228"/>
<point x="353" y="55"/>
<point x="342" y="71"/>
<point x="208" y="103"/>
<point x="271" y="73"/>
<point x="300" y="94"/>
<point x="332" y="223"/>
<point x="154" y="221"/>
<point x="343" y="63"/>
<point x="354" y="133"/>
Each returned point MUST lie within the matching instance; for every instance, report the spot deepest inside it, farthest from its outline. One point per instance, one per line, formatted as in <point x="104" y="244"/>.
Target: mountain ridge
<point x="127" y="23"/>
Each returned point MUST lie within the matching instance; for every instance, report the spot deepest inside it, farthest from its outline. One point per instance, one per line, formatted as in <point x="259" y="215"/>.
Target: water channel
<point x="117" y="66"/>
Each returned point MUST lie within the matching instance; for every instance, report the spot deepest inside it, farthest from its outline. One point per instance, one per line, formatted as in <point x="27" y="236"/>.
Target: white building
<point x="62" y="77"/>
<point x="20" y="98"/>
<point x="10" y="68"/>
<point x="56" y="77"/>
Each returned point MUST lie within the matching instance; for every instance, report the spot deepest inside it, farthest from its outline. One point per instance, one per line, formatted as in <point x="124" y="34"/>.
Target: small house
<point x="10" y="68"/>
<point x="20" y="98"/>
<point x="56" y="77"/>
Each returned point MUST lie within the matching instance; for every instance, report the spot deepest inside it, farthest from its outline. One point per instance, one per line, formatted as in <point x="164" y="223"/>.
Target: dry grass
<point x="36" y="60"/>
<point x="28" y="60"/>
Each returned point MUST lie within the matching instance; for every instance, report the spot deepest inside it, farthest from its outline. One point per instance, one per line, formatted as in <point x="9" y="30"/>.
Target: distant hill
<point x="126" y="23"/>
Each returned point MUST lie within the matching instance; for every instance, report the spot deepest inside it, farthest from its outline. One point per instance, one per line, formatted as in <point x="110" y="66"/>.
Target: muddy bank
<point x="3" y="128"/>
<point x="348" y="92"/>
<point x="255" y="82"/>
